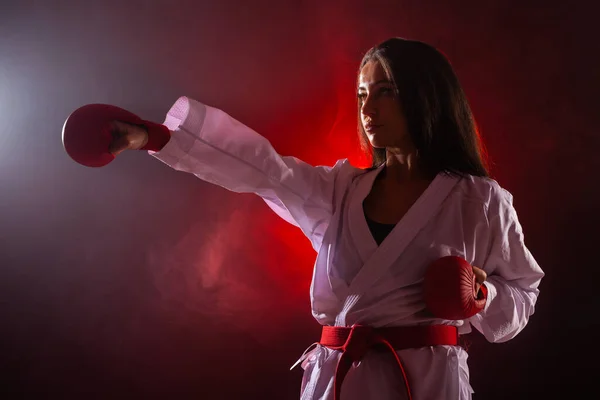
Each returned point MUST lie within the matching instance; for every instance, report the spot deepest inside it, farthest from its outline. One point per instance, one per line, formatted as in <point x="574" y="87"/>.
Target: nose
<point x="368" y="108"/>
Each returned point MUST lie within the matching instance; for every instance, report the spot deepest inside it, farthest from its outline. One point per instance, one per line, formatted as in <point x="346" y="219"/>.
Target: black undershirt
<point x="379" y="230"/>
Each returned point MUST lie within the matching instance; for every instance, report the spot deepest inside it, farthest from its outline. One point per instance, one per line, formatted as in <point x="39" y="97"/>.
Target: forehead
<point x="371" y="74"/>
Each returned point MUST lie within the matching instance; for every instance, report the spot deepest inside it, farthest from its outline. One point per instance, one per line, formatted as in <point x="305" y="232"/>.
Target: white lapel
<point x="378" y="259"/>
<point x="359" y="230"/>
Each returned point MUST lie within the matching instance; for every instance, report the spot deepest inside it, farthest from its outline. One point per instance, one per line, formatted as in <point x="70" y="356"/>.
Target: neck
<point x="403" y="167"/>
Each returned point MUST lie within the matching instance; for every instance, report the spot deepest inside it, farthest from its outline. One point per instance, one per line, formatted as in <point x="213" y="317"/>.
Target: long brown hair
<point x="440" y="122"/>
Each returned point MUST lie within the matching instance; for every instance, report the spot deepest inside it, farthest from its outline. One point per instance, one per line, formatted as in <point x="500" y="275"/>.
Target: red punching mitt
<point x="87" y="133"/>
<point x="450" y="289"/>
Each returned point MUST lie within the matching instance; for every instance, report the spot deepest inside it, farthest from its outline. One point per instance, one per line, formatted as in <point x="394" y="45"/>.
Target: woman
<point x="376" y="231"/>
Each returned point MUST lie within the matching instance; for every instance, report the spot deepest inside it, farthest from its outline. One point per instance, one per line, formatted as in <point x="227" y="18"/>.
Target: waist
<point x="399" y="337"/>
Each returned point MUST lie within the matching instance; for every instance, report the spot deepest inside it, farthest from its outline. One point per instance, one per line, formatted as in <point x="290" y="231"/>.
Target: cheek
<point x="398" y="121"/>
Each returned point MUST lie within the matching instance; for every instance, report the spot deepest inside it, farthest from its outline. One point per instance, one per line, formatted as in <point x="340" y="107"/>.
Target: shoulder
<point x="348" y="172"/>
<point x="486" y="191"/>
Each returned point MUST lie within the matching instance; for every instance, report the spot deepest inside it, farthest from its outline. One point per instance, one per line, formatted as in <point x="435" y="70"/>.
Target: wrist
<point x="158" y="136"/>
<point x="482" y="293"/>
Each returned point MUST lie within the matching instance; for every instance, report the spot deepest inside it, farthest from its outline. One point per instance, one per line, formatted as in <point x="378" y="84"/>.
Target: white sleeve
<point x="513" y="276"/>
<point x="215" y="147"/>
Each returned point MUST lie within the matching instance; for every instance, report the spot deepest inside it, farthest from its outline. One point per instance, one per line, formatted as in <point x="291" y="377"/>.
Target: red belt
<point x="354" y="342"/>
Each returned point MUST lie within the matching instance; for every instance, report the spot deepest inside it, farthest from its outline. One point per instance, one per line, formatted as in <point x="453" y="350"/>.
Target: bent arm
<point x="513" y="278"/>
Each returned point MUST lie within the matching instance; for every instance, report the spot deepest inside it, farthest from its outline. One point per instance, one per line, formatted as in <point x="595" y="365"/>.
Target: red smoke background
<point x="137" y="281"/>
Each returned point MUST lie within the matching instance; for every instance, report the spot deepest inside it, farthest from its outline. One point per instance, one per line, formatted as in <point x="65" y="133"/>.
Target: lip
<point x="372" y="127"/>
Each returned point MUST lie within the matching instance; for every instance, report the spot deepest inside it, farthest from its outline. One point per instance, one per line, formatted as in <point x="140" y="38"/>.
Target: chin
<point x="379" y="140"/>
<point x="377" y="143"/>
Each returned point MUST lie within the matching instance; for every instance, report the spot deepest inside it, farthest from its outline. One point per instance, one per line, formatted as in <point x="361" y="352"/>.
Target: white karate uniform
<point x="354" y="279"/>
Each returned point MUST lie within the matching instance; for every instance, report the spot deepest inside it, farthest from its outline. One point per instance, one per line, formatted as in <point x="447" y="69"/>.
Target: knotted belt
<point x="355" y="341"/>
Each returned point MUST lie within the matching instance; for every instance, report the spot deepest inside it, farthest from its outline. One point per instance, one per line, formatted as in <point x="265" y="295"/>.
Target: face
<point x="381" y="113"/>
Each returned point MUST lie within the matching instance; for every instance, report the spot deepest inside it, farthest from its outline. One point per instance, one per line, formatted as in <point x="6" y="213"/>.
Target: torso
<point x="387" y="204"/>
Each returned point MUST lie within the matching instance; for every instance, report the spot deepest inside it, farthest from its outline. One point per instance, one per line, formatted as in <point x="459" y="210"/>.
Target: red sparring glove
<point x="87" y="134"/>
<point x="450" y="289"/>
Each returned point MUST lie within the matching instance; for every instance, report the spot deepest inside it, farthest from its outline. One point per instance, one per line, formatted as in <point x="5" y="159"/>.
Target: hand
<point x="480" y="277"/>
<point x="127" y="137"/>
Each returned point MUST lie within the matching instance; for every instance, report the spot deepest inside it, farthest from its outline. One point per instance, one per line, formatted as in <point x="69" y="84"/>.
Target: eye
<point x="386" y="90"/>
<point x="361" y="95"/>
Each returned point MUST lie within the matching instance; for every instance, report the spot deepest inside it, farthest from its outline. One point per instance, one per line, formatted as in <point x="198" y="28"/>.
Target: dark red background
<point x="136" y="281"/>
